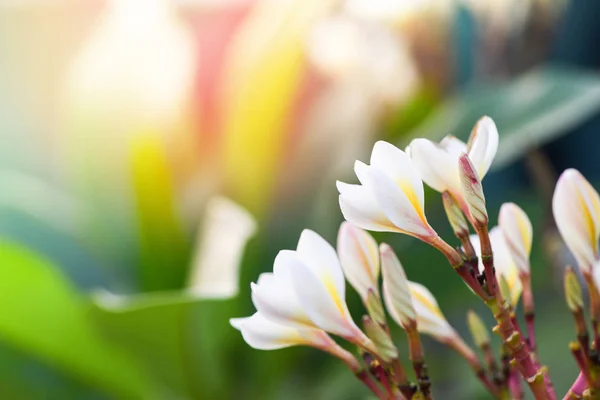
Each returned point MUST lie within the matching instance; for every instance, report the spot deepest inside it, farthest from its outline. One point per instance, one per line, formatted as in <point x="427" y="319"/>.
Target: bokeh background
<point x="150" y="148"/>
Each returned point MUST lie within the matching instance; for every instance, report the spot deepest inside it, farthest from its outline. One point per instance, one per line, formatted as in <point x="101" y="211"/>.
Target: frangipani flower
<point x="307" y="290"/>
<point x="390" y="197"/>
<point x="397" y="297"/>
<point x="576" y="208"/>
<point x="503" y="263"/>
<point x="359" y="258"/>
<point x="518" y="234"/>
<point x="430" y="319"/>
<point x="437" y="163"/>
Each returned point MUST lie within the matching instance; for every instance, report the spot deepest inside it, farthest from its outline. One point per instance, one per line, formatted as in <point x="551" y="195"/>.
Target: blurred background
<point x="152" y="150"/>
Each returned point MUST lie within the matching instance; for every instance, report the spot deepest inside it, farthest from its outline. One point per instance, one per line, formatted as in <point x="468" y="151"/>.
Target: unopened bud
<point x="374" y="307"/>
<point x="573" y="291"/>
<point x="478" y="330"/>
<point x="385" y="347"/>
<point x="457" y="219"/>
<point x="472" y="190"/>
<point x="504" y="288"/>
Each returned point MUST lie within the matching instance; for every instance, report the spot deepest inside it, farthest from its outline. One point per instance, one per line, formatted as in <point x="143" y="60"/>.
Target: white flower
<point x="437" y="163"/>
<point x="390" y="197"/>
<point x="225" y="231"/>
<point x="576" y="208"/>
<point x="398" y="300"/>
<point x="503" y="263"/>
<point x="307" y="290"/>
<point x="430" y="319"/>
<point x="357" y="251"/>
<point x="518" y="234"/>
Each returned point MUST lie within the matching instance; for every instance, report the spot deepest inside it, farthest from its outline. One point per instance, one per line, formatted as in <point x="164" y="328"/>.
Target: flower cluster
<point x="303" y="300"/>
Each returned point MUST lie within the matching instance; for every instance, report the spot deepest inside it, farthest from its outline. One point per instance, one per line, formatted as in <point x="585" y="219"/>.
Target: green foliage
<point x="42" y="315"/>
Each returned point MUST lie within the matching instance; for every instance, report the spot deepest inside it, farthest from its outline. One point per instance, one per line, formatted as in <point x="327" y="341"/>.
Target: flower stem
<point x="368" y="381"/>
<point x="577" y="389"/>
<point x="519" y="350"/>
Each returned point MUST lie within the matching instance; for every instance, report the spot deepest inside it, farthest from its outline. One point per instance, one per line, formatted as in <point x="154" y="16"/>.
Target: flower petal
<point x="437" y="164"/>
<point x="399" y="206"/>
<point x="273" y="294"/>
<point x="263" y="334"/>
<point x="322" y="302"/>
<point x="398" y="165"/>
<point x="360" y="208"/>
<point x="430" y="319"/>
<point x="576" y="208"/>
<point x="483" y="145"/>
<point x="359" y="258"/>
<point x="224" y="234"/>
<point x="321" y="259"/>
<point x="518" y="234"/>
<point x="396" y="293"/>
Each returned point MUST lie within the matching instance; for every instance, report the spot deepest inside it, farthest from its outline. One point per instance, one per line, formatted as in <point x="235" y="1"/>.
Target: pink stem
<point x="576" y="391"/>
<point x="514" y="384"/>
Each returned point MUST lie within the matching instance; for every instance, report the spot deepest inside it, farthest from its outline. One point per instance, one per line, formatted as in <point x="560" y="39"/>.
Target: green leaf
<point x="44" y="316"/>
<point x="180" y="337"/>
<point x="530" y="111"/>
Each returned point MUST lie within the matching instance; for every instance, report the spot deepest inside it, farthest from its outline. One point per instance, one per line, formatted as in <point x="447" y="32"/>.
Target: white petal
<point x="576" y="208"/>
<point x="437" y="164"/>
<point x="483" y="145"/>
<point x="518" y="234"/>
<point x="396" y="164"/>
<point x="321" y="259"/>
<point x="430" y="319"/>
<point x="453" y="145"/>
<point x="504" y="264"/>
<point x="396" y="293"/>
<point x="402" y="208"/>
<point x="263" y="334"/>
<point x="321" y="301"/>
<point x="273" y="294"/>
<point x="225" y="231"/>
<point x="357" y="251"/>
<point x="360" y="208"/>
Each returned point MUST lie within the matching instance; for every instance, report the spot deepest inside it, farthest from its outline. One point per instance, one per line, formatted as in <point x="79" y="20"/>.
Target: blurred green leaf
<point x="44" y="316"/>
<point x="529" y="111"/>
<point x="157" y="328"/>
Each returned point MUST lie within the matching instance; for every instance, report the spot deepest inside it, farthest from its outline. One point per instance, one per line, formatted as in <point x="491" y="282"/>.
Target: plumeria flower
<point x="518" y="234"/>
<point x="503" y="263"/>
<point x="576" y="208"/>
<point x="437" y="163"/>
<point x="359" y="258"/>
<point x="306" y="290"/>
<point x="390" y="196"/>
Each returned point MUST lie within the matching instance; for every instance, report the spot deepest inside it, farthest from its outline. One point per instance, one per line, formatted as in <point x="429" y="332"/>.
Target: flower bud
<point x="478" y="330"/>
<point x="457" y="219"/>
<point x="472" y="191"/>
<point x="395" y="289"/>
<point x="518" y="233"/>
<point x="505" y="288"/>
<point x="374" y="307"/>
<point x="385" y="347"/>
<point x="573" y="291"/>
